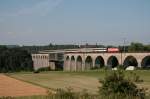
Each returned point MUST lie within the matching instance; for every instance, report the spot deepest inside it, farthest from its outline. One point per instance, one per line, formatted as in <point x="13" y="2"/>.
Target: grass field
<point x="77" y="80"/>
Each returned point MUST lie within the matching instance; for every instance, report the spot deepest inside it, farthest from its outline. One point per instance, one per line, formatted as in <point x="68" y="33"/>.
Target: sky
<point x="40" y="22"/>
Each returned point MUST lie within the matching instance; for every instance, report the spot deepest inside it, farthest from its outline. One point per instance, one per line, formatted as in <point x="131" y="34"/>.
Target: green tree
<point x="116" y="85"/>
<point x="136" y="47"/>
<point x="15" y="59"/>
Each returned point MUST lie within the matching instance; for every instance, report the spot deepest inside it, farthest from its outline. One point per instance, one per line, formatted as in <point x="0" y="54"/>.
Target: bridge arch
<point x="67" y="63"/>
<point x="67" y="57"/>
<point x="88" y="63"/>
<point x="112" y="61"/>
<point x="72" y="63"/>
<point x="79" y="63"/>
<point x="99" y="62"/>
<point x="146" y="62"/>
<point x="130" y="61"/>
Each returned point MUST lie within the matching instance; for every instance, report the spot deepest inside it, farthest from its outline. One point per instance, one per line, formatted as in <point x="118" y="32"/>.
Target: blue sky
<point x="40" y="22"/>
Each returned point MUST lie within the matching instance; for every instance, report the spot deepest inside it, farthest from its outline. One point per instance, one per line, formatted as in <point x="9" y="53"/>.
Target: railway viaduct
<point x="85" y="61"/>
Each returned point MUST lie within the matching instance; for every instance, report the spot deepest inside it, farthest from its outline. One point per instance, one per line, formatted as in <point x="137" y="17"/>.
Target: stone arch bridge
<point x="86" y="58"/>
<point x="80" y="61"/>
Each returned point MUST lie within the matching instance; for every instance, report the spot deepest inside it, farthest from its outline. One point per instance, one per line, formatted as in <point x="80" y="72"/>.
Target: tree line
<point x="133" y="47"/>
<point x="15" y="60"/>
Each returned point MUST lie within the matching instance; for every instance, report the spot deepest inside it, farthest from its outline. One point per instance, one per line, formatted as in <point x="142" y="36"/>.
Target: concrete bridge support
<point x="79" y="63"/>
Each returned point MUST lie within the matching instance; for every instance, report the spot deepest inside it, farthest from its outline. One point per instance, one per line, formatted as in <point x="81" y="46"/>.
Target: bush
<point x="66" y="94"/>
<point x="117" y="86"/>
<point x="70" y="94"/>
<point x="36" y="71"/>
<point x="134" y="77"/>
<point x="6" y="97"/>
<point x="106" y="68"/>
<point x="42" y="69"/>
<point x="121" y="67"/>
<point x="95" y="68"/>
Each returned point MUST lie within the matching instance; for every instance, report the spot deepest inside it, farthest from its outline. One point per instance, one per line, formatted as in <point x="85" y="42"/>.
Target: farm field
<point x="13" y="87"/>
<point x="76" y="80"/>
<point x="54" y="80"/>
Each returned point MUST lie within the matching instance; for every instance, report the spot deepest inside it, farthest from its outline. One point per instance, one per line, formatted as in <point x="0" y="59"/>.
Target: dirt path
<point x="12" y="87"/>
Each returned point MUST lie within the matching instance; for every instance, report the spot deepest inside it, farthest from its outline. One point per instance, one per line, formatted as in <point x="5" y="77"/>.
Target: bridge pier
<point x="139" y="63"/>
<point x="83" y="66"/>
<point x="93" y="64"/>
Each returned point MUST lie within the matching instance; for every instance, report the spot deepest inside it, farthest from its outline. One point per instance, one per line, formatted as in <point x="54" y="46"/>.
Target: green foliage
<point x="121" y="67"/>
<point x="68" y="94"/>
<point x="95" y="68"/>
<point x="134" y="77"/>
<point x="42" y="69"/>
<point x="147" y="47"/>
<point x="6" y="97"/>
<point x="136" y="47"/>
<point x="116" y="85"/>
<point x="35" y="49"/>
<point x="14" y="60"/>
